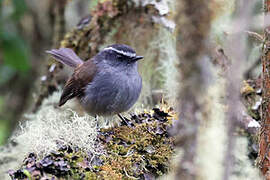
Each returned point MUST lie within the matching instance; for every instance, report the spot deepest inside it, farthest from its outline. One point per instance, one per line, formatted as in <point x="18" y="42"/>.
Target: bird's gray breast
<point x="112" y="92"/>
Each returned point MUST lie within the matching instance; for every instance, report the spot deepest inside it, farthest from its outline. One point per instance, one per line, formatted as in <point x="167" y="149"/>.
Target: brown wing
<point x="74" y="87"/>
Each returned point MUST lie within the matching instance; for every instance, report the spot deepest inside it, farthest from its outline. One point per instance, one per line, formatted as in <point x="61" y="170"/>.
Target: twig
<point x="129" y="175"/>
<point x="256" y="36"/>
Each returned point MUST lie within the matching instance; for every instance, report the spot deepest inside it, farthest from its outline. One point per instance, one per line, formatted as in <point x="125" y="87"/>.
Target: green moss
<point x="140" y="145"/>
<point x="90" y="175"/>
<point x="86" y="38"/>
<point x="138" y="148"/>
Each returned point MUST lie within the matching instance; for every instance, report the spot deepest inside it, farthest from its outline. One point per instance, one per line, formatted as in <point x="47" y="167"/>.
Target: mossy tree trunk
<point x="193" y="22"/>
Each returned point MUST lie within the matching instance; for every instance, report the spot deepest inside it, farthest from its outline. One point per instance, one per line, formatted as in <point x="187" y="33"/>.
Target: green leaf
<point x="15" y="52"/>
<point x="27" y="173"/>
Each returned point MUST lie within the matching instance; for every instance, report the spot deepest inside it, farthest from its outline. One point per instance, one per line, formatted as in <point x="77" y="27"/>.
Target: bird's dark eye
<point x="120" y="57"/>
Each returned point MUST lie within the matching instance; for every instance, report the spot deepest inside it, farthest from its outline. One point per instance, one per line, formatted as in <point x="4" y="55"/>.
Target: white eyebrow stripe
<point x="121" y="52"/>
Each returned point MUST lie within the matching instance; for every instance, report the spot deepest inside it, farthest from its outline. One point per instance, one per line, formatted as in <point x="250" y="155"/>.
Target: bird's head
<point x="120" y="54"/>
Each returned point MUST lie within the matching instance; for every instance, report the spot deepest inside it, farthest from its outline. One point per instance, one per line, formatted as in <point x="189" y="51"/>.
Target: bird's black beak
<point x="136" y="58"/>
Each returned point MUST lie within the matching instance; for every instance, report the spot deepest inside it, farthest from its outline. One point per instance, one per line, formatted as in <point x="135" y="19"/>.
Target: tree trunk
<point x="264" y="152"/>
<point x="193" y="22"/>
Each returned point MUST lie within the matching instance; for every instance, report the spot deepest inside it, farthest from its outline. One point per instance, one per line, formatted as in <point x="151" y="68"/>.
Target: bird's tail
<point x="66" y="56"/>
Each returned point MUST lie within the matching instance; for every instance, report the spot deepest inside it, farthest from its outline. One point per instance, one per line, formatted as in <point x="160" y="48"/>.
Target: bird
<point x="105" y="85"/>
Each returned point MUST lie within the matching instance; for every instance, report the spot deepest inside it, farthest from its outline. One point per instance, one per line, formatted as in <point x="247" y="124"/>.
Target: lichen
<point x="244" y="167"/>
<point x="44" y="130"/>
<point x="138" y="148"/>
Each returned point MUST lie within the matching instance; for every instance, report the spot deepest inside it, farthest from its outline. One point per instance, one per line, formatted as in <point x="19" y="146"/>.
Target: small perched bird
<point x="107" y="84"/>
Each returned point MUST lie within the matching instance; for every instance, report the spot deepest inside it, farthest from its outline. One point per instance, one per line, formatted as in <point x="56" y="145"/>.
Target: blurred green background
<point x="15" y="63"/>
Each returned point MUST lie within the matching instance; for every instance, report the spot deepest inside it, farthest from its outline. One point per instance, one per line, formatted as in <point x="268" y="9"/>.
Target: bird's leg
<point x="122" y="118"/>
<point x="96" y="118"/>
<point x="107" y="121"/>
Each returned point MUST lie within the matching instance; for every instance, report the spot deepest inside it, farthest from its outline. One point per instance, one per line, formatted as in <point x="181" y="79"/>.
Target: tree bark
<point x="264" y="152"/>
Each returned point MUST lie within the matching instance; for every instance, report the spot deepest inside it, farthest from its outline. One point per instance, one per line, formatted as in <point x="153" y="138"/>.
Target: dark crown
<point x="122" y="49"/>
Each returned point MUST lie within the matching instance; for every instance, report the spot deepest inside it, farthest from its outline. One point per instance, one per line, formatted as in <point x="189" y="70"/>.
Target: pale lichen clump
<point x="244" y="167"/>
<point x="212" y="138"/>
<point x="221" y="25"/>
<point x="45" y="131"/>
<point x="166" y="43"/>
<point x="51" y="126"/>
